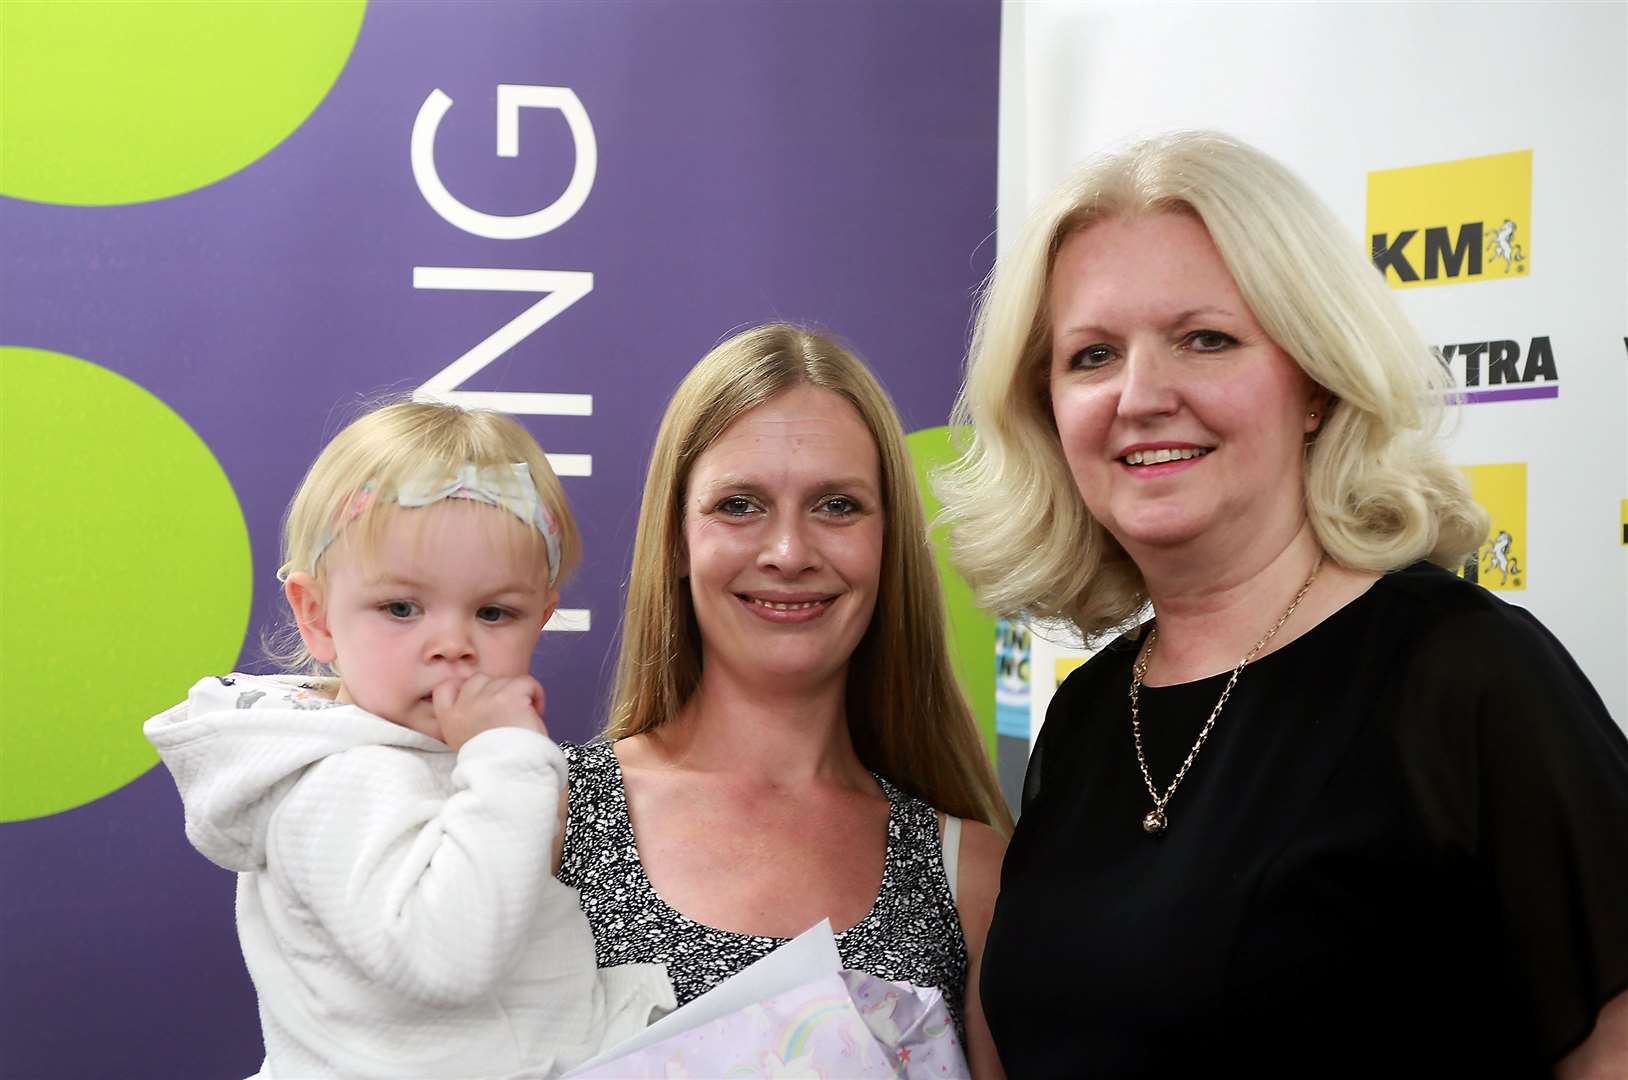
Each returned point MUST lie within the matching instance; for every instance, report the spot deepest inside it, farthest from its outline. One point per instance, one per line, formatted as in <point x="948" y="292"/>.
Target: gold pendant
<point x="1155" y="822"/>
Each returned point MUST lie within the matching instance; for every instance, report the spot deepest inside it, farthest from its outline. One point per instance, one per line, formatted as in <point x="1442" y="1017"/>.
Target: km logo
<point x="1444" y="255"/>
<point x="1452" y="221"/>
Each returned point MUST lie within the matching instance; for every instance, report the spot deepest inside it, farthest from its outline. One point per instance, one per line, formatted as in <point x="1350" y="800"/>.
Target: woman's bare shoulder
<point x="982" y="849"/>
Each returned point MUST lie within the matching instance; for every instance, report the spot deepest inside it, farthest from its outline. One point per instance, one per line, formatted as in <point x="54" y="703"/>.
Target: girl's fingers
<point x="444" y="695"/>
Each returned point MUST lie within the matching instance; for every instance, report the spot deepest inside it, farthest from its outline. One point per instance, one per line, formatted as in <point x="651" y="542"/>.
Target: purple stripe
<point x="1513" y="393"/>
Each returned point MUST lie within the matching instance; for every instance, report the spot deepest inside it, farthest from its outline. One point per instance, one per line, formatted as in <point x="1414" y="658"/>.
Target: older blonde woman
<point x="1332" y="810"/>
<point x="788" y="743"/>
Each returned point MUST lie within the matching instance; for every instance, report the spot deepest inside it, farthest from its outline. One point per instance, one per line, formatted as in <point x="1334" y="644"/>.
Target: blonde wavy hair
<point x="907" y="716"/>
<point x="1380" y="493"/>
<point x="384" y="448"/>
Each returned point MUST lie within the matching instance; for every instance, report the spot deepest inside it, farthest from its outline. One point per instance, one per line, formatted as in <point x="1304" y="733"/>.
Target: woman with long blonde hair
<point x="787" y="742"/>
<point x="1332" y="810"/>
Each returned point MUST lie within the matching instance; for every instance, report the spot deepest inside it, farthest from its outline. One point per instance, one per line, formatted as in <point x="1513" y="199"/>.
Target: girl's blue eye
<point x="399" y="609"/>
<point x="736" y="506"/>
<point x="492" y="613"/>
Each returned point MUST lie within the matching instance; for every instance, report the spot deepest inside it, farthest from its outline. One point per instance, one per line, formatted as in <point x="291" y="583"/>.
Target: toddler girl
<point x="393" y="826"/>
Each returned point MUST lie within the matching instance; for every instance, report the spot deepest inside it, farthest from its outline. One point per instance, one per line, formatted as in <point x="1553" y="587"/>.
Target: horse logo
<point x="1501" y="245"/>
<point x="1495" y="556"/>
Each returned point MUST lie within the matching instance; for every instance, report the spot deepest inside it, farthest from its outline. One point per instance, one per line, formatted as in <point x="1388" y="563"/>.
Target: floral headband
<point x="508" y="486"/>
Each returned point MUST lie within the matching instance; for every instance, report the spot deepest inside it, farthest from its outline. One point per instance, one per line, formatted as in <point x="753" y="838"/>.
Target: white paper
<point x="810" y="955"/>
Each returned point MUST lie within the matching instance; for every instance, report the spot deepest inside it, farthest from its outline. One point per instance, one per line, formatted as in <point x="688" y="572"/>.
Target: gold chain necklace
<point x="1155" y="821"/>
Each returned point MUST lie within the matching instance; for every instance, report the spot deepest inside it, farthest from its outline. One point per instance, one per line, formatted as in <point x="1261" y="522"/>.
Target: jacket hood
<point x="239" y="742"/>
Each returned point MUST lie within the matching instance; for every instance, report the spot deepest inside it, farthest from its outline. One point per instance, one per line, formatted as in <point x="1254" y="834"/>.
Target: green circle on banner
<point x="106" y="103"/>
<point x="971" y="629"/>
<point x="127" y="577"/>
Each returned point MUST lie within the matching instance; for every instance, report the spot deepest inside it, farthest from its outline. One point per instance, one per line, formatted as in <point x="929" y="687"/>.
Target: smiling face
<point x="1181" y="420"/>
<point x="783" y="529"/>
<point x="450" y="590"/>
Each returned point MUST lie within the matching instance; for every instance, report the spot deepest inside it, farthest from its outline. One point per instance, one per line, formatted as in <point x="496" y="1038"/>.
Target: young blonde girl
<point x="391" y="823"/>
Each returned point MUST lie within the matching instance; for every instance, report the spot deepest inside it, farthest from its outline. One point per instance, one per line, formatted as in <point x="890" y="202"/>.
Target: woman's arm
<point x="1604" y="1054"/>
<point x="979" y="880"/>
<point x="1549" y="810"/>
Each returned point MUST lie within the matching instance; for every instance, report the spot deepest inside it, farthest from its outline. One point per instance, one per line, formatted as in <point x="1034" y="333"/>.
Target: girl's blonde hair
<point x="1379" y="491"/>
<point x="907" y="716"/>
<point x="383" y="449"/>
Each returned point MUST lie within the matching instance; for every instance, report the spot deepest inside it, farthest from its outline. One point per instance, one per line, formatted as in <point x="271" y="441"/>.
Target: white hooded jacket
<point x="395" y="903"/>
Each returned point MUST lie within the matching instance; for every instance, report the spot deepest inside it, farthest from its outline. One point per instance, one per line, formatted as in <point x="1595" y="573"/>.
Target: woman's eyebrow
<point x="732" y="482"/>
<point x="838" y="483"/>
<point x="758" y="487"/>
<point x="1180" y="318"/>
<point x="1195" y="313"/>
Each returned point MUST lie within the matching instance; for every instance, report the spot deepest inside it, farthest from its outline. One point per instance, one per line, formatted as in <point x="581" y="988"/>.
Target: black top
<point x="1403" y="851"/>
<point x="911" y="934"/>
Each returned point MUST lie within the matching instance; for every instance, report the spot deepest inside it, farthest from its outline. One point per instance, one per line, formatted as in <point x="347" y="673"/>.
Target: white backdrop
<point x="1337" y="91"/>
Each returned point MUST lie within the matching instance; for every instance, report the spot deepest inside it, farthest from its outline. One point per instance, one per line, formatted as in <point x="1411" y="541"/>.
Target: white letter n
<point x="562" y="288"/>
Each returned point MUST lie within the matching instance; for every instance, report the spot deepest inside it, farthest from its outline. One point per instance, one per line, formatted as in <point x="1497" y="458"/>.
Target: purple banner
<point x="832" y="163"/>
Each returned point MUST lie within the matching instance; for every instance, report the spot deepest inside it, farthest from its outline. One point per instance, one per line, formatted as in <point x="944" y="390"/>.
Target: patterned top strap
<point x="912" y="932"/>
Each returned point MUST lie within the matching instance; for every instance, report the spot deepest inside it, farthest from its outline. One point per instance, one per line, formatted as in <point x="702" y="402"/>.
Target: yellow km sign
<point x="1500" y="562"/>
<point x="1452" y="221"/>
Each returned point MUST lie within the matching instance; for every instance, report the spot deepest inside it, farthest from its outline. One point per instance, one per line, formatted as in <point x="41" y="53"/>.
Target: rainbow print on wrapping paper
<point x="796" y="1034"/>
<point x="804" y="1023"/>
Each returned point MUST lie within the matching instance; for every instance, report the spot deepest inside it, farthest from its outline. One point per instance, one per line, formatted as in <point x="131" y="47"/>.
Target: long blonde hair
<point x="907" y="716"/>
<point x="382" y="449"/>
<point x="1380" y="493"/>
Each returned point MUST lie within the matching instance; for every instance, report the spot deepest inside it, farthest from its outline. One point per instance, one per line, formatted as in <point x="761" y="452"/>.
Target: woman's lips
<point x="783" y="611"/>
<point x="1158" y="455"/>
<point x="1147" y="463"/>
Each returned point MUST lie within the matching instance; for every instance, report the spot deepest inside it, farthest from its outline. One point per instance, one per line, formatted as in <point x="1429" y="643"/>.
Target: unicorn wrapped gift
<point x="796" y="1014"/>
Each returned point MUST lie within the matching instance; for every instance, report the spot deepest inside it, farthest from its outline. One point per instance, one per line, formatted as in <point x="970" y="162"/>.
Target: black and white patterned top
<point x="911" y="934"/>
